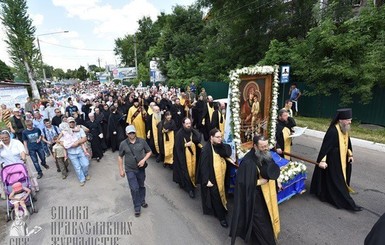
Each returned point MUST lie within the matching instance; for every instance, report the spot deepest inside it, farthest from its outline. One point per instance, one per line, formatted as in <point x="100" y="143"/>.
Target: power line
<point x="85" y="49"/>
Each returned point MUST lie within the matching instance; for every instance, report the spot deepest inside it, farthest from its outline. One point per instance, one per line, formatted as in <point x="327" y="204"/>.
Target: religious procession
<point x="248" y="160"/>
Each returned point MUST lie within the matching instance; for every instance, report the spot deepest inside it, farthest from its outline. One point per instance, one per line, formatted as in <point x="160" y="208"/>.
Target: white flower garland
<point x="290" y="171"/>
<point x="235" y="100"/>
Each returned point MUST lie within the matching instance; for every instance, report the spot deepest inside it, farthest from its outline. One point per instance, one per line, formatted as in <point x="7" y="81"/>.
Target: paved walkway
<point x="355" y="142"/>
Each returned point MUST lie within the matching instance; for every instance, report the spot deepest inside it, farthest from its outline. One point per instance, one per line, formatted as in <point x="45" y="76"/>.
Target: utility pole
<point x="136" y="59"/>
<point x="41" y="55"/>
<point x="99" y="62"/>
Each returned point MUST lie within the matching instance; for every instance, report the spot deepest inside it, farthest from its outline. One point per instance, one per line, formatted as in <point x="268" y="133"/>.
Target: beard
<point x="187" y="130"/>
<point x="344" y="128"/>
<point x="263" y="155"/>
<point x="158" y="116"/>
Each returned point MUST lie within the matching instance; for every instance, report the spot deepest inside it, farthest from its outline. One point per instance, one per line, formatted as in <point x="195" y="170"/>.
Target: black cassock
<point x="251" y="219"/>
<point x="96" y="145"/>
<point x="178" y="113"/>
<point x="151" y="141"/>
<point x="211" y="199"/>
<point x="180" y="172"/>
<point x="329" y="184"/>
<point x="205" y="129"/>
<point x="377" y="235"/>
<point x="114" y="125"/>
<point x="170" y="126"/>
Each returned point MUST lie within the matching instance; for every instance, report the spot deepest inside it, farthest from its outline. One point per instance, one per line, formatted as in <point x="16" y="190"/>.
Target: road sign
<point x="285" y="72"/>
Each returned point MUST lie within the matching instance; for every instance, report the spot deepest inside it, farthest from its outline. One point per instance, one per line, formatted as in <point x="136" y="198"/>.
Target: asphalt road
<point x="173" y="218"/>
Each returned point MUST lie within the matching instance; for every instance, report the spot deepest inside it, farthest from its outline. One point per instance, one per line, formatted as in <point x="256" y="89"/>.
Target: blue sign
<point x="285" y="72"/>
<point x="153" y="75"/>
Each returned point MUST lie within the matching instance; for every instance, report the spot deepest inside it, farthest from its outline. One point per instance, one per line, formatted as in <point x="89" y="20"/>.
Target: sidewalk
<point x="355" y="142"/>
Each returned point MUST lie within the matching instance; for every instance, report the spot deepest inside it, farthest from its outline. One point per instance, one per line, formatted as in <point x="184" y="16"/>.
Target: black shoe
<point x="45" y="166"/>
<point x="191" y="194"/>
<point x="144" y="205"/>
<point x="164" y="165"/>
<point x="39" y="176"/>
<point x="58" y="170"/>
<point x="357" y="209"/>
<point x="137" y="214"/>
<point x="98" y="159"/>
<point x="224" y="223"/>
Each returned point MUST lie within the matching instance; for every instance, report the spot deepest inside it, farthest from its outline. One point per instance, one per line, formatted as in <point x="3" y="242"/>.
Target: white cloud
<point x="37" y="19"/>
<point x="109" y="21"/>
<point x="4" y="47"/>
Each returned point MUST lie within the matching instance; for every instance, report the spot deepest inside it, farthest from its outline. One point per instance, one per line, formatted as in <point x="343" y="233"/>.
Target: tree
<point x="58" y="73"/>
<point x="124" y="48"/>
<point x="81" y="73"/>
<point x="338" y="56"/>
<point x="20" y="38"/>
<point x="5" y="71"/>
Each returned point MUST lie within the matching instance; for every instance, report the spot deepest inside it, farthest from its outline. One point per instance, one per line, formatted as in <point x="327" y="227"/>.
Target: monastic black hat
<point x="345" y="113"/>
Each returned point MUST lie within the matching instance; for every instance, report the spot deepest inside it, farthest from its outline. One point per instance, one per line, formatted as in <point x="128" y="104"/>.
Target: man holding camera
<point x="135" y="152"/>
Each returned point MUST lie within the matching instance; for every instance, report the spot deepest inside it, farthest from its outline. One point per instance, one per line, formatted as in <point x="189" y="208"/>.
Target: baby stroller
<point x="10" y="174"/>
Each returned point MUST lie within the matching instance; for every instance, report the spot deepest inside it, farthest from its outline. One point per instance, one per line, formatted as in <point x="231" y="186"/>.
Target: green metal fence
<point x="326" y="106"/>
<point x="218" y="90"/>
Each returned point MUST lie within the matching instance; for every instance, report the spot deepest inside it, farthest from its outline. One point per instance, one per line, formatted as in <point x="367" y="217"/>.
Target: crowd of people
<point x="181" y="129"/>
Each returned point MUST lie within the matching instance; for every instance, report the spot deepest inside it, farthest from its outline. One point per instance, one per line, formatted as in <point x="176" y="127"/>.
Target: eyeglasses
<point x="218" y="137"/>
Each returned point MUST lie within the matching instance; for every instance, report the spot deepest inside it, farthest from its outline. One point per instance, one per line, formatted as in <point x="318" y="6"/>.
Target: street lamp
<point x="41" y="55"/>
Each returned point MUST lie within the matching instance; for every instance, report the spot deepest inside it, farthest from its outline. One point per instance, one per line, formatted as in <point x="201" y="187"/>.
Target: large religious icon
<point x="255" y="106"/>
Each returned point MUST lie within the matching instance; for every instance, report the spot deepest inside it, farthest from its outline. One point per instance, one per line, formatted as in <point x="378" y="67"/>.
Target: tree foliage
<point x="20" y="39"/>
<point x="5" y="71"/>
<point x="337" y="55"/>
<point x="192" y="45"/>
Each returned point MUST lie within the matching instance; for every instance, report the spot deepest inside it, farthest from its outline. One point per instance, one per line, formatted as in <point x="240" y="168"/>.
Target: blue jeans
<point x="33" y="154"/>
<point x="138" y="190"/>
<point x="80" y="163"/>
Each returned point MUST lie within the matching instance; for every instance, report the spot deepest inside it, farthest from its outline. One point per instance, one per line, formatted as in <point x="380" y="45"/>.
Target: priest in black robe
<point x="218" y="120"/>
<point x="255" y="216"/>
<point x="96" y="131"/>
<point x="284" y="129"/>
<point x="178" y="113"/>
<point x="115" y="131"/>
<point x="186" y="151"/>
<point x="152" y="134"/>
<point x="207" y="115"/>
<point x="331" y="177"/>
<point x="376" y="235"/>
<point x="212" y="176"/>
<point x="166" y="139"/>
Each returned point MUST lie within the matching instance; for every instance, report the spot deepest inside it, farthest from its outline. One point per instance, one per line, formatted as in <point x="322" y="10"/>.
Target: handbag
<point x="136" y="160"/>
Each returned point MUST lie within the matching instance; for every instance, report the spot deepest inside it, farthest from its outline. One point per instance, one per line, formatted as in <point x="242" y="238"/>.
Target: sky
<point x="92" y="27"/>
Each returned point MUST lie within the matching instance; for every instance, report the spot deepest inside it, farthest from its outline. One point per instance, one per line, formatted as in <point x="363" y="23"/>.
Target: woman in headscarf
<point x="13" y="151"/>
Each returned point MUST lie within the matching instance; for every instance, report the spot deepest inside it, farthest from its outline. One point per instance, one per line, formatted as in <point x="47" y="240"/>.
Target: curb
<point x="355" y="142"/>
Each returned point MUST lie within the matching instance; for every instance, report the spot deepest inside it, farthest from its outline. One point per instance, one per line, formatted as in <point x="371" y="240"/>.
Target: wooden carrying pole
<point x="300" y="158"/>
